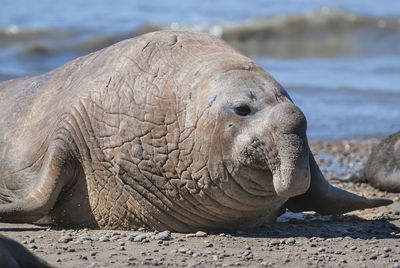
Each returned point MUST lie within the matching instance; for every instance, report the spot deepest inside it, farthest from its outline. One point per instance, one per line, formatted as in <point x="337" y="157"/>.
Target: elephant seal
<point x="169" y="131"/>
<point x="14" y="255"/>
<point x="382" y="169"/>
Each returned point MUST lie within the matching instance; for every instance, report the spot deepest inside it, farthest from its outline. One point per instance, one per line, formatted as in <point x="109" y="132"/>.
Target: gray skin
<point x="383" y="167"/>
<point x="169" y="130"/>
<point x="14" y="255"/>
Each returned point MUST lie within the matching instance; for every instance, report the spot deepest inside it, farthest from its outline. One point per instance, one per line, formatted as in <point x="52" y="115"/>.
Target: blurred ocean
<point x="339" y="59"/>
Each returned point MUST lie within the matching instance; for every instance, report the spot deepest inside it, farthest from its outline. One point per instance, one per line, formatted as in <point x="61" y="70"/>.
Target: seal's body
<point x="169" y="130"/>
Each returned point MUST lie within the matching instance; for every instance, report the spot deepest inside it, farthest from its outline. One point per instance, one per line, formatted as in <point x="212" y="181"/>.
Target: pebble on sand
<point x="65" y="239"/>
<point x="201" y="234"/>
<point x="104" y="239"/>
<point x="140" y="238"/>
<point x="166" y="235"/>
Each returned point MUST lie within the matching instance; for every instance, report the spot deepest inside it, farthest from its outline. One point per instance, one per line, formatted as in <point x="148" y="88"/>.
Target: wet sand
<point x="369" y="238"/>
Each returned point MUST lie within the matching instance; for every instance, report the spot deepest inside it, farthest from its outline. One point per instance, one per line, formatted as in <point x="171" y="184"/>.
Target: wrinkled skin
<point x="170" y="130"/>
<point x="383" y="167"/>
<point x="14" y="255"/>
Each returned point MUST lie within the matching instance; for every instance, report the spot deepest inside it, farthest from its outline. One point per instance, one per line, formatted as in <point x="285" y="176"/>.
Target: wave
<point x="326" y="32"/>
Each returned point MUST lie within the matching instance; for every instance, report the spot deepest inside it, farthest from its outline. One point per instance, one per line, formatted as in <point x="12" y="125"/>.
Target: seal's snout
<point x="292" y="176"/>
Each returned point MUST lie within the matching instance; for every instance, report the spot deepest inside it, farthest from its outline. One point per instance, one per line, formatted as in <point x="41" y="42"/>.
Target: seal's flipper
<point x="327" y="199"/>
<point x="54" y="174"/>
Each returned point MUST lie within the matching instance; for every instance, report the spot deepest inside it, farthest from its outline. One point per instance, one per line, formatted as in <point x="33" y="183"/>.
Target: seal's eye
<point x="242" y="109"/>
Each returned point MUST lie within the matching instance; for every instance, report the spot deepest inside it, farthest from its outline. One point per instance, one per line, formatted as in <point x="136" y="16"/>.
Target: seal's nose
<point x="292" y="176"/>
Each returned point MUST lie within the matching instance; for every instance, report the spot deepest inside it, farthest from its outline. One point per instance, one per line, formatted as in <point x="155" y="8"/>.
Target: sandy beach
<point x="369" y="238"/>
<point x="339" y="60"/>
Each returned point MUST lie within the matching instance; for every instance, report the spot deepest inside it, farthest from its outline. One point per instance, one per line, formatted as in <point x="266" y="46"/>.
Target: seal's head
<point x="262" y="134"/>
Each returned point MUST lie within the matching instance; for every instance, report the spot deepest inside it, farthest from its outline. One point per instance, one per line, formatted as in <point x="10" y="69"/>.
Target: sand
<point x="369" y="238"/>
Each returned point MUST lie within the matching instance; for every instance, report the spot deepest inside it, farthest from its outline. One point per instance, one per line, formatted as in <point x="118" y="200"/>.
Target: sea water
<point x="338" y="59"/>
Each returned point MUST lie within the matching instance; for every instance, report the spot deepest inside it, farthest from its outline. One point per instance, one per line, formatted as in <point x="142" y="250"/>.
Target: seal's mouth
<point x="280" y="167"/>
<point x="256" y="181"/>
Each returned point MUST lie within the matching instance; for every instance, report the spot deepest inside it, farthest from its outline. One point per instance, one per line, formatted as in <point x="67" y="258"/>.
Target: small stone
<point x="291" y="241"/>
<point x="373" y="256"/>
<point x="201" y="234"/>
<point x="246" y="253"/>
<point x="65" y="239"/>
<point x="387" y="249"/>
<point x="133" y="235"/>
<point x="208" y="245"/>
<point x="247" y="247"/>
<point x="93" y="254"/>
<point x="183" y="250"/>
<point x="342" y="260"/>
<point x="122" y="248"/>
<point x="191" y="235"/>
<point x="71" y="250"/>
<point x="274" y="242"/>
<point x="32" y="246"/>
<point x="104" y="239"/>
<point x="122" y="244"/>
<point x="141" y="229"/>
<point x="85" y="237"/>
<point x="139" y="238"/>
<point x="166" y="235"/>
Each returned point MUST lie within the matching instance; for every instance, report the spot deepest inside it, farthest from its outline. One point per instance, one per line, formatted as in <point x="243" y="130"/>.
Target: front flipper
<point x="57" y="169"/>
<point x="327" y="199"/>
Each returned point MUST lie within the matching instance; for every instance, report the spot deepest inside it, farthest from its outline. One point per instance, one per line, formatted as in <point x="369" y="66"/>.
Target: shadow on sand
<point x="314" y="225"/>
